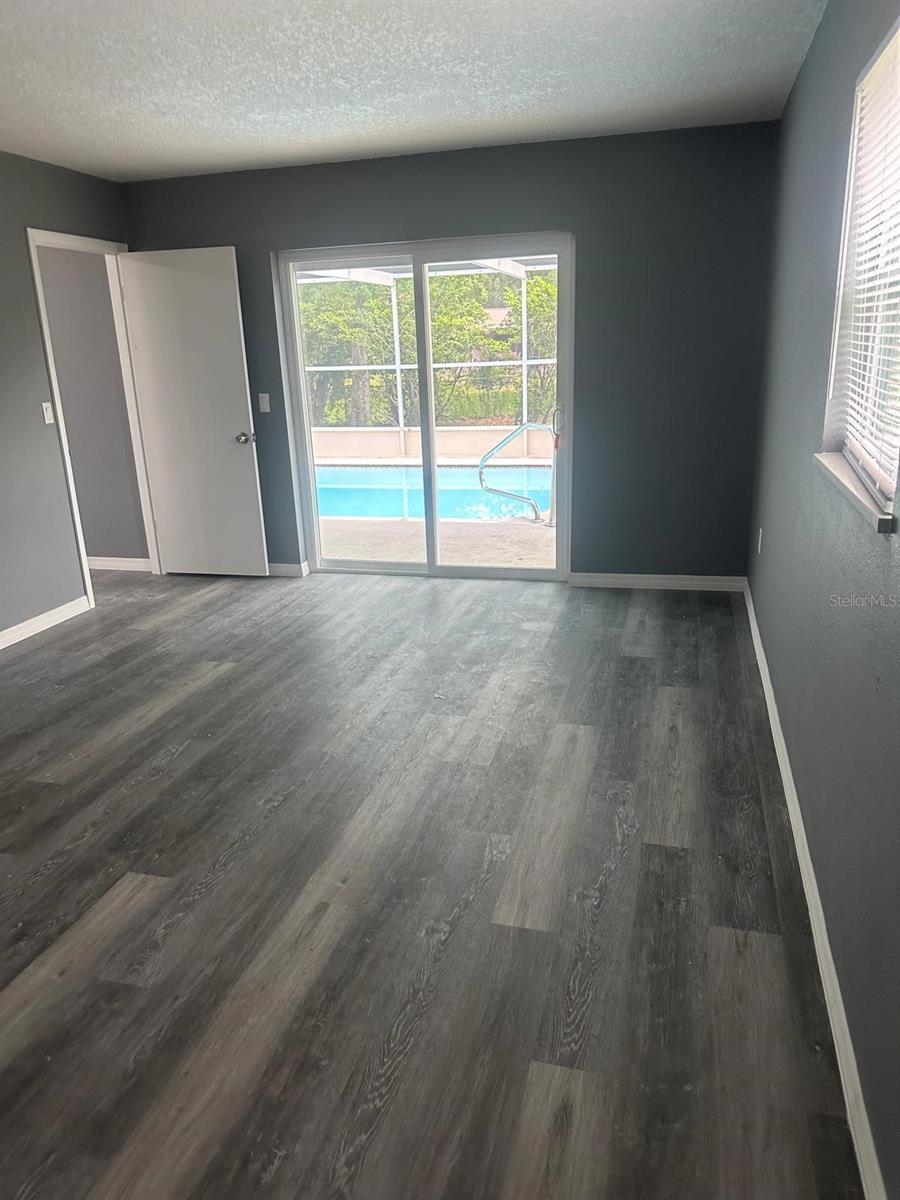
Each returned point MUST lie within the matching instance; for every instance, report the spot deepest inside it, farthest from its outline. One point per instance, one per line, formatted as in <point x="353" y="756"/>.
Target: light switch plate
<point x="48" y="412"/>
<point x="264" y="402"/>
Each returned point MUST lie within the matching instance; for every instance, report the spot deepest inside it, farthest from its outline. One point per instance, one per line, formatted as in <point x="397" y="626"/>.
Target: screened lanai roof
<point x="516" y="267"/>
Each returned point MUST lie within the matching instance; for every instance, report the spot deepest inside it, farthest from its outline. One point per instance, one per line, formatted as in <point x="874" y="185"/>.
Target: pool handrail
<point x="489" y="454"/>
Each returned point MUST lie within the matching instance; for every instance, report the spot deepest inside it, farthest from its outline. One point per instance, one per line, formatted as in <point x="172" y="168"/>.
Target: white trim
<point x="295" y="411"/>
<point x="837" y="469"/>
<point x="350" y="566"/>
<point x="119" y="564"/>
<point x="27" y="629"/>
<point x="565" y="400"/>
<point x="357" y="566"/>
<point x="36" y="238"/>
<point x="858" y="1119"/>
<point x="73" y="241"/>
<point x="295" y="434"/>
<point x="675" y="583"/>
<point x="427" y="436"/>
<point x="295" y="569"/>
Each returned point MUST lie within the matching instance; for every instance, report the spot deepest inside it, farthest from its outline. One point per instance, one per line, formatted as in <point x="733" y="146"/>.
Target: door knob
<point x="243" y="438"/>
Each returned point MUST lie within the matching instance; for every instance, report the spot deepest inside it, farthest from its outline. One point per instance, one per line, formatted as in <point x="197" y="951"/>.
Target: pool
<point x="397" y="492"/>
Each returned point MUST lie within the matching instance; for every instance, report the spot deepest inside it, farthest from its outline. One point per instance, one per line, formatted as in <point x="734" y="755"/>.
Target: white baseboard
<point x="119" y="564"/>
<point x="295" y="569"/>
<point x="678" y="583"/>
<point x="857" y="1117"/>
<point x="27" y="629"/>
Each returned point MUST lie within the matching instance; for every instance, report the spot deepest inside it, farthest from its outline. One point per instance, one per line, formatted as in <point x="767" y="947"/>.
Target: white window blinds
<point x="863" y="414"/>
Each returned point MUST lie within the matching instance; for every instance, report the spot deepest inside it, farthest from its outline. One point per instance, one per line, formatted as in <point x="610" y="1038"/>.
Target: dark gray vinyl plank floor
<point x="403" y="889"/>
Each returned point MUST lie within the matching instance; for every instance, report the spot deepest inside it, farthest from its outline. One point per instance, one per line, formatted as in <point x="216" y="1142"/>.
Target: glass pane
<point x="486" y="395"/>
<point x="482" y="315"/>
<point x="406" y="320"/>
<point x="411" y="411"/>
<point x="352" y="398"/>
<point x="358" y="341"/>
<point x="472" y="314"/>
<point x="542" y="307"/>
<point x="345" y="322"/>
<point x="541" y="393"/>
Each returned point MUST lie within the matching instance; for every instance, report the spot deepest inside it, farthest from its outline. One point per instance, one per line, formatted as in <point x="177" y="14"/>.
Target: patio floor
<point x="504" y="543"/>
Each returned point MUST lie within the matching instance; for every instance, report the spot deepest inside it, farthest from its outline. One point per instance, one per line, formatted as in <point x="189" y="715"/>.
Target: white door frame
<point x="69" y="241"/>
<point x="419" y="254"/>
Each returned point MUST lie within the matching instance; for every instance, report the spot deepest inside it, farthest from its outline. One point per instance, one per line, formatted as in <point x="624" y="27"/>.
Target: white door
<point x="183" y="313"/>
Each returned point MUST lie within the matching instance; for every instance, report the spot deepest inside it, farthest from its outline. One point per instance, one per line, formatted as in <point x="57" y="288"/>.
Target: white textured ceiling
<point x="133" y="89"/>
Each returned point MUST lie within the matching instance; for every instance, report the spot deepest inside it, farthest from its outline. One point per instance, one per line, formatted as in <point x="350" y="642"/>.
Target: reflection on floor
<point x="513" y="543"/>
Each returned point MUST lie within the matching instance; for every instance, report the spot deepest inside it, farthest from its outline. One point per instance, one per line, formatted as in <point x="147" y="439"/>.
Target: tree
<point x="541" y="292"/>
<point x="475" y="320"/>
<point x="348" y="322"/>
<point x="460" y="333"/>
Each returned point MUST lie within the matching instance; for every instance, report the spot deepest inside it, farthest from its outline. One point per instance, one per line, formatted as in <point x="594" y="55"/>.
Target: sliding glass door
<point x="492" y="326"/>
<point x="357" y="340"/>
<point x="431" y="381"/>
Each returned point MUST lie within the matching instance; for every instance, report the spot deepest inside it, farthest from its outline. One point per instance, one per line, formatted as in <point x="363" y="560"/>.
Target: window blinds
<point x="864" y="395"/>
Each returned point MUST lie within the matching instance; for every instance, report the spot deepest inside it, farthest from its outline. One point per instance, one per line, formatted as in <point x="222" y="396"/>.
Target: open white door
<point x="183" y="312"/>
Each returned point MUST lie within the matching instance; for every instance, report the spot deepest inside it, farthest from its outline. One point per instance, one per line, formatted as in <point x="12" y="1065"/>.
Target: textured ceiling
<point x="133" y="89"/>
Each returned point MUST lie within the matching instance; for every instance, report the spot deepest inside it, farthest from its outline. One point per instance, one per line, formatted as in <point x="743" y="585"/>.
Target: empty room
<point x="449" y="600"/>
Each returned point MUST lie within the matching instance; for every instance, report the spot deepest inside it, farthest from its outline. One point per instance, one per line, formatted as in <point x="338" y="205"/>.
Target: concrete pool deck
<point x="502" y="543"/>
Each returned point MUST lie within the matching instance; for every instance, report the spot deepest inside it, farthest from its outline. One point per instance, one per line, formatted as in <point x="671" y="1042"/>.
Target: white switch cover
<point x="264" y="402"/>
<point x="48" y="412"/>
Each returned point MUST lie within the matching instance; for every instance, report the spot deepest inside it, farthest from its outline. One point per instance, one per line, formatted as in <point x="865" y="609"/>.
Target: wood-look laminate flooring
<point x="403" y="889"/>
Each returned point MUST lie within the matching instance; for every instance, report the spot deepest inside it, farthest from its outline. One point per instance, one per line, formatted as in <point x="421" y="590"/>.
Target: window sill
<point x="842" y="475"/>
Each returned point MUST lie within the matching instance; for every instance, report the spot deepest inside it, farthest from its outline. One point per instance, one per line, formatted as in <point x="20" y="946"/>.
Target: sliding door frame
<point x="420" y="254"/>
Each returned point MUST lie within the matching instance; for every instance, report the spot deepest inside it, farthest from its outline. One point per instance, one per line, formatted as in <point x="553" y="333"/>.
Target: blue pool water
<point x="397" y="492"/>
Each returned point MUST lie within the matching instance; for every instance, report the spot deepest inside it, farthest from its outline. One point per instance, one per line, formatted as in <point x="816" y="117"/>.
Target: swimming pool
<point x="397" y="492"/>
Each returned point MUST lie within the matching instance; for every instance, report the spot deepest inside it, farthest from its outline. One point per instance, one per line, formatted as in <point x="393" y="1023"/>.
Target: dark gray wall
<point x="38" y="558"/>
<point x="76" y="292"/>
<point x="836" y="670"/>
<point x="672" y="235"/>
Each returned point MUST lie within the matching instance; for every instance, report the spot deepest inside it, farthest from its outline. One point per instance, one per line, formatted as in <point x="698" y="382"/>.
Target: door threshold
<point x="536" y="575"/>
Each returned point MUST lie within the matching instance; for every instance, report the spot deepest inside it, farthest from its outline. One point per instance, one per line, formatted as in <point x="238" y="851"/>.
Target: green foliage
<point x="474" y="319"/>
<point x="350" y="322"/>
<point x="541" y="294"/>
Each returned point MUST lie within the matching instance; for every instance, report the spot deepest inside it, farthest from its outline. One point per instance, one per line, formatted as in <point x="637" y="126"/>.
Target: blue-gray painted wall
<point x="39" y="568"/>
<point x="835" y="669"/>
<point x="673" y="246"/>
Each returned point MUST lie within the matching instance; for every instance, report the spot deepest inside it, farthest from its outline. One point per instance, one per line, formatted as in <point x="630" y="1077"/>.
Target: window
<point x="863" y="414"/>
